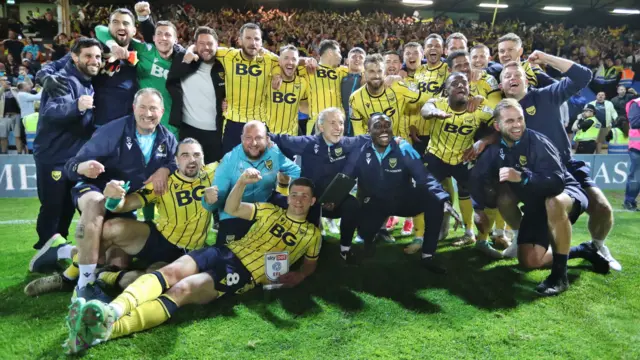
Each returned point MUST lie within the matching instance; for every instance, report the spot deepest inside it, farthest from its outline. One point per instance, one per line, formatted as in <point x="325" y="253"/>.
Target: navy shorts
<point x="441" y="170"/>
<point x="421" y="147"/>
<point x="158" y="248"/>
<point x="82" y="188"/>
<point x="534" y="228"/>
<point x="581" y="172"/>
<point x="227" y="271"/>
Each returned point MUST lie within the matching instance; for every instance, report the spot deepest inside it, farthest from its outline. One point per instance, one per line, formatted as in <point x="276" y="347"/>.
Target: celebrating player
<point x="207" y="274"/>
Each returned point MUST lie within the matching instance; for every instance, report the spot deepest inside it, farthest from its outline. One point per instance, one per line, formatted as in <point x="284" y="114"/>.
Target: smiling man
<point x="390" y="183"/>
<point x="136" y="149"/>
<point x="531" y="167"/>
<point x="207" y="274"/>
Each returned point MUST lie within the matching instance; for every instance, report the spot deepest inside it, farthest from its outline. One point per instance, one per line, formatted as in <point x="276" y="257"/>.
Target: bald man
<point x="255" y="151"/>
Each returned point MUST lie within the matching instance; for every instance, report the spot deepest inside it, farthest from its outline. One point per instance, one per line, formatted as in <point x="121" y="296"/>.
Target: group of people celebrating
<point x="128" y="125"/>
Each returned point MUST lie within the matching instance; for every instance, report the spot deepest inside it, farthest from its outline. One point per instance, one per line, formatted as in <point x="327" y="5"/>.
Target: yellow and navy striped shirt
<point x="452" y="136"/>
<point x="182" y="221"/>
<point x="324" y="91"/>
<point x="431" y="79"/>
<point x="283" y="105"/>
<point x="246" y="83"/>
<point x="413" y="110"/>
<point x="531" y="71"/>
<point x="393" y="102"/>
<point x="488" y="88"/>
<point x="274" y="231"/>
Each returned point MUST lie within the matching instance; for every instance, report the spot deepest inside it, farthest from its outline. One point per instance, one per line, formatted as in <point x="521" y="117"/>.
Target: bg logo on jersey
<point x="253" y="70"/>
<point x="186" y="197"/>
<point x="322" y="73"/>
<point x="455" y="129"/>
<point x="157" y="71"/>
<point x="288" y="238"/>
<point x="389" y="111"/>
<point x="288" y="98"/>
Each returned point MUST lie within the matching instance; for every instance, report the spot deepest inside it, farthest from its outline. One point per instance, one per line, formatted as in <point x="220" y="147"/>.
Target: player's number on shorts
<point x="233" y="279"/>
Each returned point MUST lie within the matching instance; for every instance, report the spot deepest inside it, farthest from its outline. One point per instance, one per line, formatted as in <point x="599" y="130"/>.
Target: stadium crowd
<point x="198" y="113"/>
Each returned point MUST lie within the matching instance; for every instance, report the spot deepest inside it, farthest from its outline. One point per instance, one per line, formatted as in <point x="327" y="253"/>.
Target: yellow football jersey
<point x="486" y="87"/>
<point x="274" y="231"/>
<point x="452" y="136"/>
<point x="283" y="105"/>
<point x="531" y="71"/>
<point x="413" y="110"/>
<point x="246" y="83"/>
<point x="324" y="90"/>
<point x="182" y="219"/>
<point x="431" y="79"/>
<point x="393" y="102"/>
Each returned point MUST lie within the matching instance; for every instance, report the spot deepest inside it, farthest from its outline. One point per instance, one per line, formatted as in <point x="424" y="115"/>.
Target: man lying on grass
<point x="206" y="274"/>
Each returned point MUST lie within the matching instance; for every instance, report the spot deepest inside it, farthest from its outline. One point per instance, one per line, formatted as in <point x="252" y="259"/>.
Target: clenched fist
<point x="250" y="176"/>
<point x="90" y="168"/>
<point x="142" y="8"/>
<point x="211" y="195"/>
<point x="85" y="102"/>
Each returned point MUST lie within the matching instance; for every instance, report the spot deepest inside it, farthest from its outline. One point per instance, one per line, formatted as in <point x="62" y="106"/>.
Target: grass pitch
<point x="389" y="308"/>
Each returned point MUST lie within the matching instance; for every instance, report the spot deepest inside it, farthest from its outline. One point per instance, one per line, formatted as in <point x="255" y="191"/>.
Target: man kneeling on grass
<point x="206" y="274"/>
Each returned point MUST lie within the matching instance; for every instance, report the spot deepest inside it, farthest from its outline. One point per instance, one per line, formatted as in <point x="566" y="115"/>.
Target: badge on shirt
<point x="56" y="175"/>
<point x="129" y="143"/>
<point x="338" y="151"/>
<point x="269" y="164"/>
<point x="276" y="264"/>
<point x="531" y="110"/>
<point x="523" y="160"/>
<point x="393" y="162"/>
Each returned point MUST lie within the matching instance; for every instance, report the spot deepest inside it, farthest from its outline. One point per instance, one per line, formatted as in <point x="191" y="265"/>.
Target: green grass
<point x="388" y="308"/>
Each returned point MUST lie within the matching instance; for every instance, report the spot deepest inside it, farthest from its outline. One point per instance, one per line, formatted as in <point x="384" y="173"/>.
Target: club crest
<point x="56" y="175"/>
<point x="531" y="110"/>
<point x="393" y="162"/>
<point x="523" y="160"/>
<point x="338" y="151"/>
<point x="269" y="164"/>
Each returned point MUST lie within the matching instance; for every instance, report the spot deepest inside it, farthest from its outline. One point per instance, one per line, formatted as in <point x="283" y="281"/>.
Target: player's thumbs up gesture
<point x="250" y="176"/>
<point x="211" y="195"/>
<point x="114" y="190"/>
<point x="91" y="169"/>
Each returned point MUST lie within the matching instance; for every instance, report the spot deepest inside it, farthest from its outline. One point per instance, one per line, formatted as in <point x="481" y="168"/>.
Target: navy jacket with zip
<point x="389" y="181"/>
<point x="115" y="146"/>
<point x="544" y="172"/>
<point x="62" y="128"/>
<point x="320" y="162"/>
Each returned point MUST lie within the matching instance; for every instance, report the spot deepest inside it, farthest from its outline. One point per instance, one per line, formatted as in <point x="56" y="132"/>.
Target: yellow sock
<point x="146" y="288"/>
<point x="146" y="316"/>
<point x="500" y="223"/>
<point x="418" y="225"/>
<point x="283" y="189"/>
<point x="72" y="272"/>
<point x="466" y="210"/>
<point x="491" y="214"/>
<point x="110" y="277"/>
<point x="447" y="185"/>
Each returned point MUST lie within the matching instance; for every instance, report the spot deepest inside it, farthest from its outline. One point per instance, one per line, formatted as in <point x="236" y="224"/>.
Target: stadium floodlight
<point x="493" y="6"/>
<point x="626" y="11"/>
<point x="417" y="2"/>
<point x="557" y="8"/>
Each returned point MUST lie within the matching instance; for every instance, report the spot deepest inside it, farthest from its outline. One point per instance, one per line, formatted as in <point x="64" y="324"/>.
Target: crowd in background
<point x="612" y="53"/>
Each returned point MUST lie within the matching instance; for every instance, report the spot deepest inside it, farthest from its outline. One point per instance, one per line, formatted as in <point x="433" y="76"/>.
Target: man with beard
<point x="323" y="157"/>
<point x="204" y="275"/>
<point x="116" y="84"/>
<point x="284" y="103"/>
<point x="486" y="86"/>
<point x="531" y="167"/>
<point x="154" y="60"/>
<point x="453" y="145"/>
<point x="131" y="149"/>
<point x="455" y="42"/>
<point x="542" y="113"/>
<point x="510" y="49"/>
<point x="256" y="151"/>
<point x="192" y="87"/>
<point x="182" y="226"/>
<point x="392" y="184"/>
<point x="376" y="97"/>
<point x="64" y="127"/>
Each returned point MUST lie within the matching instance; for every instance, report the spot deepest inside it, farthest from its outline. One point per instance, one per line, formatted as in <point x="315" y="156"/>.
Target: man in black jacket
<point x="193" y="88"/>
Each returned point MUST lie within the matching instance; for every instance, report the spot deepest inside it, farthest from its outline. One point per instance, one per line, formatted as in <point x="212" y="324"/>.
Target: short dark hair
<point x="373" y="59"/>
<point x="205" y="30"/>
<point x="188" y="141"/>
<point x="84" y="43"/>
<point x="452" y="75"/>
<point x="454" y="55"/>
<point x="306" y="182"/>
<point x="328" y="45"/>
<point x="391" y="52"/>
<point x="456" y="35"/>
<point x="434" y="36"/>
<point x="124" y="11"/>
<point x="169" y="24"/>
<point x="510" y="37"/>
<point x="251" y="26"/>
<point x="480" y="46"/>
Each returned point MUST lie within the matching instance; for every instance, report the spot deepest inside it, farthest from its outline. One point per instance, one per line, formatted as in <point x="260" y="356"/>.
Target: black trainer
<point x="589" y="252"/>
<point x="350" y="257"/>
<point x="553" y="285"/>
